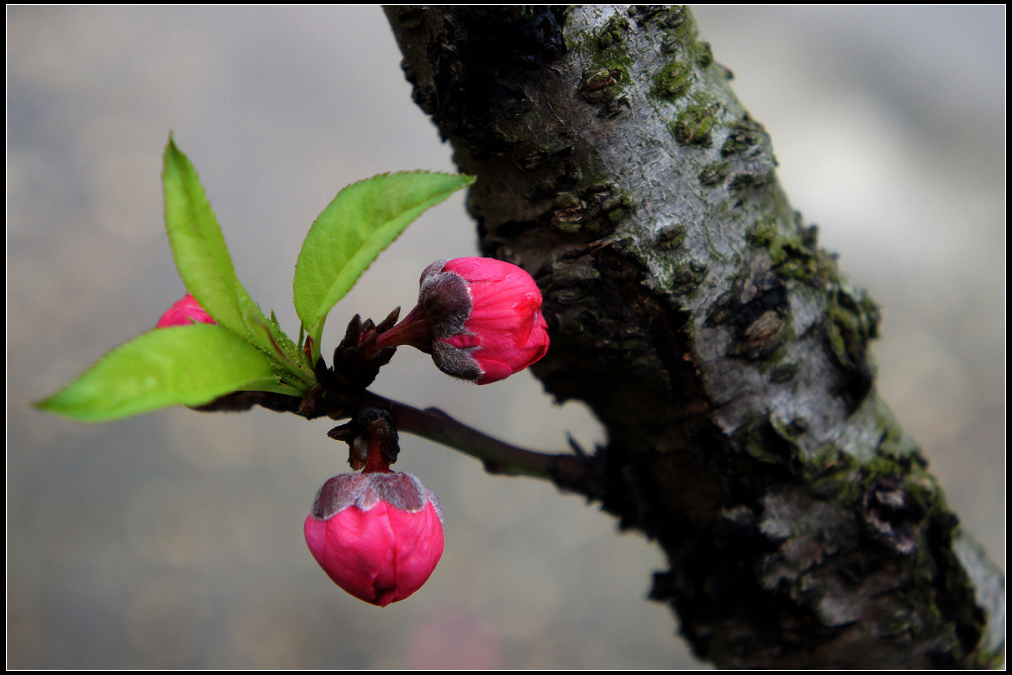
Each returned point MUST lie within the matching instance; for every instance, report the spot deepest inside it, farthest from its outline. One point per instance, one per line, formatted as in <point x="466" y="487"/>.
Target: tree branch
<point x="570" y="472"/>
<point x="693" y="311"/>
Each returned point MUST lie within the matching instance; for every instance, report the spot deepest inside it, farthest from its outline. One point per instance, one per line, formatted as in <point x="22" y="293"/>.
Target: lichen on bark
<point x="691" y="308"/>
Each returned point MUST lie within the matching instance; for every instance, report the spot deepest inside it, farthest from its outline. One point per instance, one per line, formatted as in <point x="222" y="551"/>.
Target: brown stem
<point x="576" y="473"/>
<point x="570" y="472"/>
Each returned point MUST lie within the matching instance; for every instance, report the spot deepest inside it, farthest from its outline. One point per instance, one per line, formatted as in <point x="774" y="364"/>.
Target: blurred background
<point x="174" y="540"/>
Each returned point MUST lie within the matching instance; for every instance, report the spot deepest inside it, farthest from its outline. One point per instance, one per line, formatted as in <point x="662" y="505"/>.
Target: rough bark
<point x="691" y="308"/>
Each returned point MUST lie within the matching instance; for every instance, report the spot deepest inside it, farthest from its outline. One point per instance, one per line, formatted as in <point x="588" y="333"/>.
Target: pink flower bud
<point x="183" y="313"/>
<point x="479" y="318"/>
<point x="378" y="534"/>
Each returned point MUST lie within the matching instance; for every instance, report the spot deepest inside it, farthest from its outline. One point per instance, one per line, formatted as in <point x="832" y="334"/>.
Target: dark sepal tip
<point x="389" y="322"/>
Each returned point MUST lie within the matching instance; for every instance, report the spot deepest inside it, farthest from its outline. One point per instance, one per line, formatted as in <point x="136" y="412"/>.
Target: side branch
<point x="576" y="473"/>
<point x="570" y="472"/>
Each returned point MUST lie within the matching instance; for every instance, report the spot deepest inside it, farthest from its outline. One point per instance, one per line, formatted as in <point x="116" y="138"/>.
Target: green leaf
<point x="198" y="245"/>
<point x="284" y="351"/>
<point x="363" y="219"/>
<point x="269" y="337"/>
<point x="183" y="365"/>
<point x="206" y="268"/>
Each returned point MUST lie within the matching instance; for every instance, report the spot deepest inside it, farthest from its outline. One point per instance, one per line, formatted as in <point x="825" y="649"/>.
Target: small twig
<point x="575" y="472"/>
<point x="566" y="471"/>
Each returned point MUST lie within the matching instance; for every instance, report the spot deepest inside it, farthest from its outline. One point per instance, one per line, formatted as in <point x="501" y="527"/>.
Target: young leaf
<point x="182" y="365"/>
<point x="271" y="339"/>
<point x="198" y="245"/>
<point x="205" y="265"/>
<point x="363" y="219"/>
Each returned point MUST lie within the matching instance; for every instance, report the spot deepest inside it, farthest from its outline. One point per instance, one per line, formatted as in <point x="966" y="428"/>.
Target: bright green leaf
<point x="206" y="268"/>
<point x="270" y="338"/>
<point x="282" y="348"/>
<point x="183" y="365"/>
<point x="363" y="219"/>
<point x="198" y="245"/>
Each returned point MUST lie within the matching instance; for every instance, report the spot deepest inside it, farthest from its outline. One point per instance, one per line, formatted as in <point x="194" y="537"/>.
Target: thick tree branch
<point x="692" y="309"/>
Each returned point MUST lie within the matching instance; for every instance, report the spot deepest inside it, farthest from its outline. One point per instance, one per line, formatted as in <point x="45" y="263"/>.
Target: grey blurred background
<point x="175" y="539"/>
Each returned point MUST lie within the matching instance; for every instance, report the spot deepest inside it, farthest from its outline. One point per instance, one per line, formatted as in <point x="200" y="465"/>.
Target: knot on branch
<point x="892" y="515"/>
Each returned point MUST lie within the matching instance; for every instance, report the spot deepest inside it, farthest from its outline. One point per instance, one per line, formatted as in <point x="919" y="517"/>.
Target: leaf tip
<point x="42" y="404"/>
<point x="56" y="405"/>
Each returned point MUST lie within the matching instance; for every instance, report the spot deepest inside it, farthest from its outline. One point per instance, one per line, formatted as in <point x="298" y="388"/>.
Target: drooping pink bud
<point x="184" y="312"/>
<point x="479" y="318"/>
<point x="378" y="535"/>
